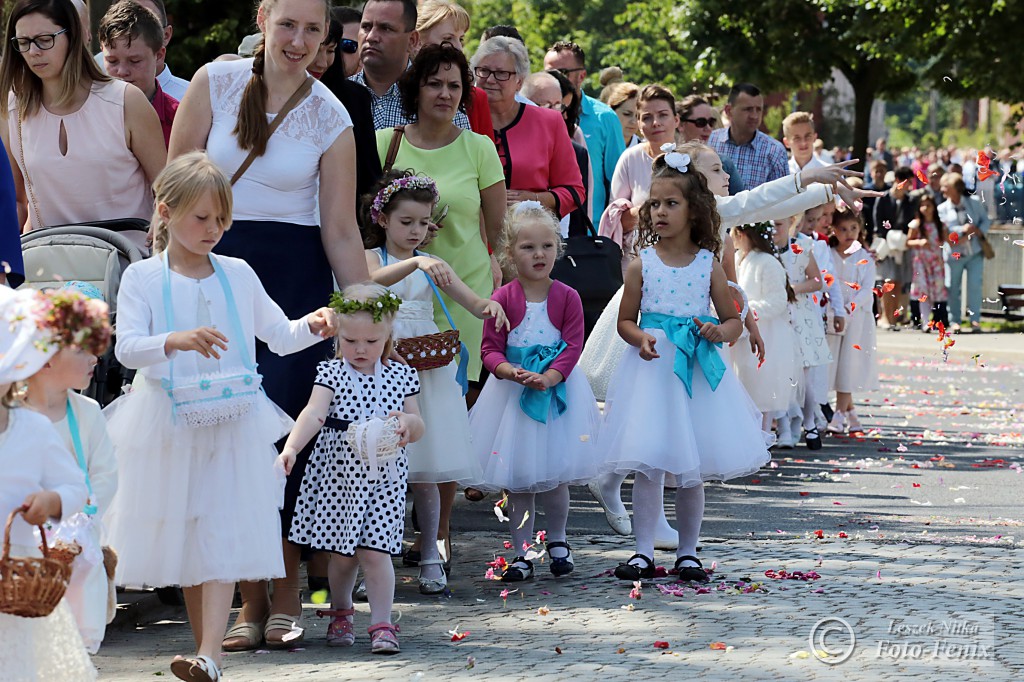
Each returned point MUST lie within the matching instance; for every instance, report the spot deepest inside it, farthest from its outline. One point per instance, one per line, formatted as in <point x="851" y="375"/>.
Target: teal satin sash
<point x="691" y="347"/>
<point x="537" y="404"/>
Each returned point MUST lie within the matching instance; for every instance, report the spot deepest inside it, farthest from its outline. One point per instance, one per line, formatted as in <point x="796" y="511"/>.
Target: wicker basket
<point x="65" y="551"/>
<point x="30" y="587"/>
<point x="430" y="351"/>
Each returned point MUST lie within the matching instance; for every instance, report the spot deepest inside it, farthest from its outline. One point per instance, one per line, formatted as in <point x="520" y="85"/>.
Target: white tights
<point x="428" y="516"/>
<point x="556" y="513"/>
<point x="379" y="575"/>
<point x="647" y="506"/>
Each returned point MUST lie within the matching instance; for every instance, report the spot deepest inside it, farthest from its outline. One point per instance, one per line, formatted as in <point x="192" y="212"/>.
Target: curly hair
<point x="516" y="218"/>
<point x="373" y="234"/>
<point x="705" y="223"/>
<point x="429" y="61"/>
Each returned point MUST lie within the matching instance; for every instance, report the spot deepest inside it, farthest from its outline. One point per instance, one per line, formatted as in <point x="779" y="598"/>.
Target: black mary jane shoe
<point x="518" y="570"/>
<point x="812" y="438"/>
<point x="631" y="572"/>
<point x="561" y="565"/>
<point x="695" y="573"/>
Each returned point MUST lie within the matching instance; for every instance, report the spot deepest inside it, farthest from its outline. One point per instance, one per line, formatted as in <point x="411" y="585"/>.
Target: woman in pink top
<point x="82" y="147"/>
<point x="532" y="142"/>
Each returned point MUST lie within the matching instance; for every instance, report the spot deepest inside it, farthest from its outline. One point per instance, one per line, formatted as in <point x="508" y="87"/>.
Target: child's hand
<point x="40" y="506"/>
<point x="647" y="351"/>
<point x="287" y="459"/>
<point x="204" y="340"/>
<point x="439" y="271"/>
<point x="323" y="322"/>
<point x="839" y="324"/>
<point x="710" y="331"/>
<point x="848" y="309"/>
<point x="538" y="382"/>
<point x="494" y="309"/>
<point x="757" y="344"/>
<point x="404" y="425"/>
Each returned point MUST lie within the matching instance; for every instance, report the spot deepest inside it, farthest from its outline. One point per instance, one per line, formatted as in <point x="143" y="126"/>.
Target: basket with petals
<point x="430" y="351"/>
<point x="31" y="587"/>
<point x="66" y="552"/>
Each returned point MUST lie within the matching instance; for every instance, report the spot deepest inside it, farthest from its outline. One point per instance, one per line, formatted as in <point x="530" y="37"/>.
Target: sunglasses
<point x="569" y="72"/>
<point x="701" y="122"/>
<point x="348" y="46"/>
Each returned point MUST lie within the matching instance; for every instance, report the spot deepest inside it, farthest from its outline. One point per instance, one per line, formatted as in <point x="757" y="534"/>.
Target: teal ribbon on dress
<point x="537" y="404"/>
<point x="691" y="347"/>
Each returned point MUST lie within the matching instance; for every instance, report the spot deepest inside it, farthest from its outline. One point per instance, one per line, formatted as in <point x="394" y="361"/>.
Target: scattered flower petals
<point x="660" y="645"/>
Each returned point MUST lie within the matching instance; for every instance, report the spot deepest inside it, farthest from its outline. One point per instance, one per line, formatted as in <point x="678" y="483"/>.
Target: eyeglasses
<point x="483" y="74"/>
<point x="568" y="72"/>
<point x="701" y="122"/>
<point x="43" y="42"/>
<point x="348" y="46"/>
<point x="556" y="106"/>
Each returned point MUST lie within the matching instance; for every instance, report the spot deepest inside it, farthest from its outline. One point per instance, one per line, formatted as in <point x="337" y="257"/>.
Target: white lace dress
<point x="806" y="314"/>
<point x="443" y="454"/>
<point x="520" y="454"/>
<point x="650" y="423"/>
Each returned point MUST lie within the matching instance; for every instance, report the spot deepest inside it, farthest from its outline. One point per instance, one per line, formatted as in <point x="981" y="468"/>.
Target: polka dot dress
<point x="339" y="508"/>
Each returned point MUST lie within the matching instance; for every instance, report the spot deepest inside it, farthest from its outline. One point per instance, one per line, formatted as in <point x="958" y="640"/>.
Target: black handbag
<point x="592" y="265"/>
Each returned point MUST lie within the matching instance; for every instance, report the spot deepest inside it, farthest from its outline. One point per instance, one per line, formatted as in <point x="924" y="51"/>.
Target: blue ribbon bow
<point x="535" y="403"/>
<point x="691" y="347"/>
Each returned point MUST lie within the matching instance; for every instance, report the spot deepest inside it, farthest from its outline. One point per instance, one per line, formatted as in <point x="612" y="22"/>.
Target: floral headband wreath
<point x="680" y="162"/>
<point x="70" y="318"/>
<point x="764" y="228"/>
<point x="385" y="304"/>
<point x="410" y="182"/>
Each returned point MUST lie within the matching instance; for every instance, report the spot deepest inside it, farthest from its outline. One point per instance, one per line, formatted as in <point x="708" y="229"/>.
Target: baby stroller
<point x="96" y="253"/>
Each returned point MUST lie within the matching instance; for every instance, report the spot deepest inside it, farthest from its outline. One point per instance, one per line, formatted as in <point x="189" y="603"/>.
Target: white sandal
<point x="198" y="669"/>
<point x="252" y="633"/>
<point x="282" y="621"/>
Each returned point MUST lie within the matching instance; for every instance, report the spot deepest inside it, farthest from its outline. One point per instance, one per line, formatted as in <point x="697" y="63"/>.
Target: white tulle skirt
<point x="444" y="453"/>
<point x="36" y="649"/>
<point x="652" y="425"/>
<point x="194" y="504"/>
<point x="520" y="454"/>
<point x="604" y="349"/>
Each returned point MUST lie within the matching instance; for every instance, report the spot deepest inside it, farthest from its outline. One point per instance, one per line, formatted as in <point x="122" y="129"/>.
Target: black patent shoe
<point x="632" y="572"/>
<point x="695" y="573"/>
<point x="561" y="565"/>
<point x="518" y="570"/>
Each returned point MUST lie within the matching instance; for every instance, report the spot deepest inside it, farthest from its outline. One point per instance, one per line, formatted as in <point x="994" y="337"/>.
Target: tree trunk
<point x="863" y="100"/>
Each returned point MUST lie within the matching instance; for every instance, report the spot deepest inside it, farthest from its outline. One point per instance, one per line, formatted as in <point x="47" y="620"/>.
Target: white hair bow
<point x="527" y="205"/>
<point x="681" y="162"/>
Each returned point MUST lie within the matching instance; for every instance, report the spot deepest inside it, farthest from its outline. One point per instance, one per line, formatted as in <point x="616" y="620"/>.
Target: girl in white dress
<point x="198" y="500"/>
<point x="797" y="255"/>
<point x="38" y="476"/>
<point x="533" y="425"/>
<point x="351" y="503"/>
<point x="854" y="366"/>
<point x="674" y="406"/>
<point x="400" y="212"/>
<point x="762" y="277"/>
<point x="83" y="430"/>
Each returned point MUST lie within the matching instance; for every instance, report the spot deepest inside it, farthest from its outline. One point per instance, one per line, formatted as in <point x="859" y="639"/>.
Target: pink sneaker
<point x="339" y="632"/>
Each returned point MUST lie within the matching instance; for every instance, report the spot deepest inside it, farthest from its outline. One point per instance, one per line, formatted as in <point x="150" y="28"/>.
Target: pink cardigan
<point x="537" y="156"/>
<point x="565" y="310"/>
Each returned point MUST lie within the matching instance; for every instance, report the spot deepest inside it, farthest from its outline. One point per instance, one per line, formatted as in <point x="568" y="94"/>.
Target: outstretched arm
<point x="310" y="421"/>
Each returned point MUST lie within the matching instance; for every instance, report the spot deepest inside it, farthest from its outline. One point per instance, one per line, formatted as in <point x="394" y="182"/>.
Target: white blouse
<point x="97" y="449"/>
<point x="142" y="326"/>
<point x="771" y="201"/>
<point x="283" y="184"/>
<point x="33" y="459"/>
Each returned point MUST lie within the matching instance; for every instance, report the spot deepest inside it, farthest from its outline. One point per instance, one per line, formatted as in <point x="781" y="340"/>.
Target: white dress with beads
<point x="651" y="423"/>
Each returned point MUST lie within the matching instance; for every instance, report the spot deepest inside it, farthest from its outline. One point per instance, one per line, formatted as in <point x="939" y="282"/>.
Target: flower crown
<point x="764" y="228"/>
<point x="385" y="304"/>
<point x="383" y="197"/>
<point x="680" y="162"/>
<point x="69" y="318"/>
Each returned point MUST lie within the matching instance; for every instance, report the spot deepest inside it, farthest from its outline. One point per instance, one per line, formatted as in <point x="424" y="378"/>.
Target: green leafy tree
<point x="204" y="30"/>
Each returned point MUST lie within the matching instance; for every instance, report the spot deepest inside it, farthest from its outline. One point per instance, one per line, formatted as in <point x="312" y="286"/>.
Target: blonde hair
<point x="518" y="216"/>
<point x="615" y="91"/>
<point x="78" y="70"/>
<point x="364" y="292"/>
<point x="433" y="12"/>
<point x="181" y="184"/>
<point x="252" y="128"/>
<point x="796" y="118"/>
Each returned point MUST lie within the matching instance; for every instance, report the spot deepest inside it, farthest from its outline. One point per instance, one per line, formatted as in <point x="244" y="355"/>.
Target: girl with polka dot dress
<point x="674" y="406"/>
<point x="352" y="499"/>
<point x="532" y="425"/>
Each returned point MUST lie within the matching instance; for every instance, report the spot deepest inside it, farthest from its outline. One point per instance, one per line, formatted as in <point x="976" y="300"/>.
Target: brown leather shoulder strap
<point x="396" y="142"/>
<point x="297" y="96"/>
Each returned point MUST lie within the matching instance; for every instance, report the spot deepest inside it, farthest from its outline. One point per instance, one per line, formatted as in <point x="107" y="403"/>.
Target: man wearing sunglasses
<point x="599" y="123"/>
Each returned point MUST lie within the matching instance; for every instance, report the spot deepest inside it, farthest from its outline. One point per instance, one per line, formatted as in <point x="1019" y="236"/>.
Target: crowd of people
<point x="325" y="209"/>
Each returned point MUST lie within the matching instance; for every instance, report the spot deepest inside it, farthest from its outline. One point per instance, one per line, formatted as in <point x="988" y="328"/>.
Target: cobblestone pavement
<point x="909" y="534"/>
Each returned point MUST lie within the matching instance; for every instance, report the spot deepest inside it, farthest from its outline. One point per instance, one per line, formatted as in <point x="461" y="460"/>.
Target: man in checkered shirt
<point x="387" y="41"/>
<point x="758" y="157"/>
